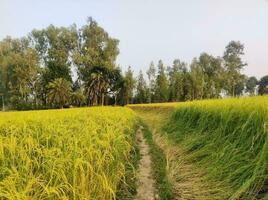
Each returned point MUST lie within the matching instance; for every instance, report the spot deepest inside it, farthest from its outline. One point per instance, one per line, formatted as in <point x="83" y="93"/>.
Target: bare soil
<point x="145" y="179"/>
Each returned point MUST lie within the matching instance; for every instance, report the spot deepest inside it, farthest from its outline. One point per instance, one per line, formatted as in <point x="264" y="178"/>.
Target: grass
<point x="151" y="121"/>
<point x="228" y="139"/>
<point x="65" y="154"/>
<point x="222" y="144"/>
<point x="163" y="186"/>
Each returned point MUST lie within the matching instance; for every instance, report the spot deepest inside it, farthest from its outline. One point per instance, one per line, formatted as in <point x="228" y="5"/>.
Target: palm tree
<point x="101" y="82"/>
<point x="78" y="98"/>
<point x="59" y="92"/>
<point x="97" y="85"/>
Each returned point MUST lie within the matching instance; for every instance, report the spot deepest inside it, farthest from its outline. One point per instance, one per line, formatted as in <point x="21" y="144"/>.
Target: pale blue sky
<point x="154" y="29"/>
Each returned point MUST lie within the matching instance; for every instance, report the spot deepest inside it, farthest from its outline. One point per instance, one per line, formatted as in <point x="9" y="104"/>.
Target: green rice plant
<point x="65" y="154"/>
<point x="228" y="140"/>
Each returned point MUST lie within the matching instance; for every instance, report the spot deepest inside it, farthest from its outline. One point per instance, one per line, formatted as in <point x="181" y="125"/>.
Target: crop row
<point x="64" y="154"/>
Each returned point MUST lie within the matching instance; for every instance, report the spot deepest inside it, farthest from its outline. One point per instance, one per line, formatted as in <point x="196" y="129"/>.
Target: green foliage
<point x="161" y="90"/>
<point x="228" y="140"/>
<point x="211" y="72"/>
<point x="233" y="65"/>
<point x="59" y="92"/>
<point x="19" y="72"/>
<point x="78" y="98"/>
<point x="29" y="65"/>
<point x="151" y="73"/>
<point x="263" y="85"/>
<point x="96" y="48"/>
<point x="95" y="59"/>
<point x="55" y="47"/>
<point x="141" y="95"/>
<point x="206" y="77"/>
<point x="251" y="84"/>
<point x="101" y="81"/>
<point x="176" y="76"/>
<point x="240" y="85"/>
<point x="129" y="85"/>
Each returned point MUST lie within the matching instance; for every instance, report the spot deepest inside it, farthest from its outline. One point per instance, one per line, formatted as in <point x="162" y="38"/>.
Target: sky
<point x="150" y="30"/>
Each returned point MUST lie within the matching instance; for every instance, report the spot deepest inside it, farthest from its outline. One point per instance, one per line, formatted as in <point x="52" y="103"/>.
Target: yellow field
<point x="64" y="154"/>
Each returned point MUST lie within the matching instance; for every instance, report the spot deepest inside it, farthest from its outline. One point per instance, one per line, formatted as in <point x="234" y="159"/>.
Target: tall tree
<point x="117" y="87"/>
<point x="19" y="72"/>
<point x="141" y="93"/>
<point x="263" y="85"/>
<point x="212" y="71"/>
<point x="161" y="91"/>
<point x="95" y="59"/>
<point x="233" y="65"/>
<point x="176" y="80"/>
<point x="197" y="80"/>
<point x="187" y="85"/>
<point x="240" y="86"/>
<point x="7" y="53"/>
<point x="151" y="73"/>
<point x="56" y="47"/>
<point x="251" y="84"/>
<point x="129" y="85"/>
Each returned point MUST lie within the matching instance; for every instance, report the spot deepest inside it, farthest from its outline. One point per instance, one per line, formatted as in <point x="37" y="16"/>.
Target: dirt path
<point x="145" y="180"/>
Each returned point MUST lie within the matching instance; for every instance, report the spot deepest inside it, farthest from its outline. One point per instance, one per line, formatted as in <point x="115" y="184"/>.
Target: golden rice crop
<point x="64" y="154"/>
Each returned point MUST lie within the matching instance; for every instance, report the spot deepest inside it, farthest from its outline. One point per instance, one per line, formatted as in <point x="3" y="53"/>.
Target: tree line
<point x="60" y="67"/>
<point x="206" y="77"/>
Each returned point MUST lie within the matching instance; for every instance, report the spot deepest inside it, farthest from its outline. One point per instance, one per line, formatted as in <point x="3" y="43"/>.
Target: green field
<point x="221" y="146"/>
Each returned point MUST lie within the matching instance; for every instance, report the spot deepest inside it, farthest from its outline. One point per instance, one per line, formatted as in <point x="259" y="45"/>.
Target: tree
<point x="151" y="73"/>
<point x="29" y="65"/>
<point x="129" y="85"/>
<point x="96" y="85"/>
<point x="251" y="84"/>
<point x="78" y="98"/>
<point x="95" y="59"/>
<point x="233" y="65"/>
<point x="263" y="85"/>
<point x="211" y="73"/>
<point x="141" y="96"/>
<point x="116" y="85"/>
<point x="59" y="92"/>
<point x="187" y="85"/>
<point x="240" y="86"/>
<point x="9" y="49"/>
<point x="55" y="47"/>
<point x="161" y="91"/>
<point x="176" y="80"/>
<point x="197" y="80"/>
<point x="19" y="72"/>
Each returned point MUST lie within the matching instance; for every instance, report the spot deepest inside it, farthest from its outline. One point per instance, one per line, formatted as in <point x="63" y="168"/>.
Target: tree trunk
<point x="102" y="99"/>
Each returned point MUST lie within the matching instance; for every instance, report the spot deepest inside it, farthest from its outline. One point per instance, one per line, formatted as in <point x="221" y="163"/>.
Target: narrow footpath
<point x="145" y="180"/>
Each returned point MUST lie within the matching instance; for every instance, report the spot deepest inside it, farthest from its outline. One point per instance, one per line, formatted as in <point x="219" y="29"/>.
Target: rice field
<point x="65" y="154"/>
<point x="224" y="141"/>
<point x="85" y="153"/>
